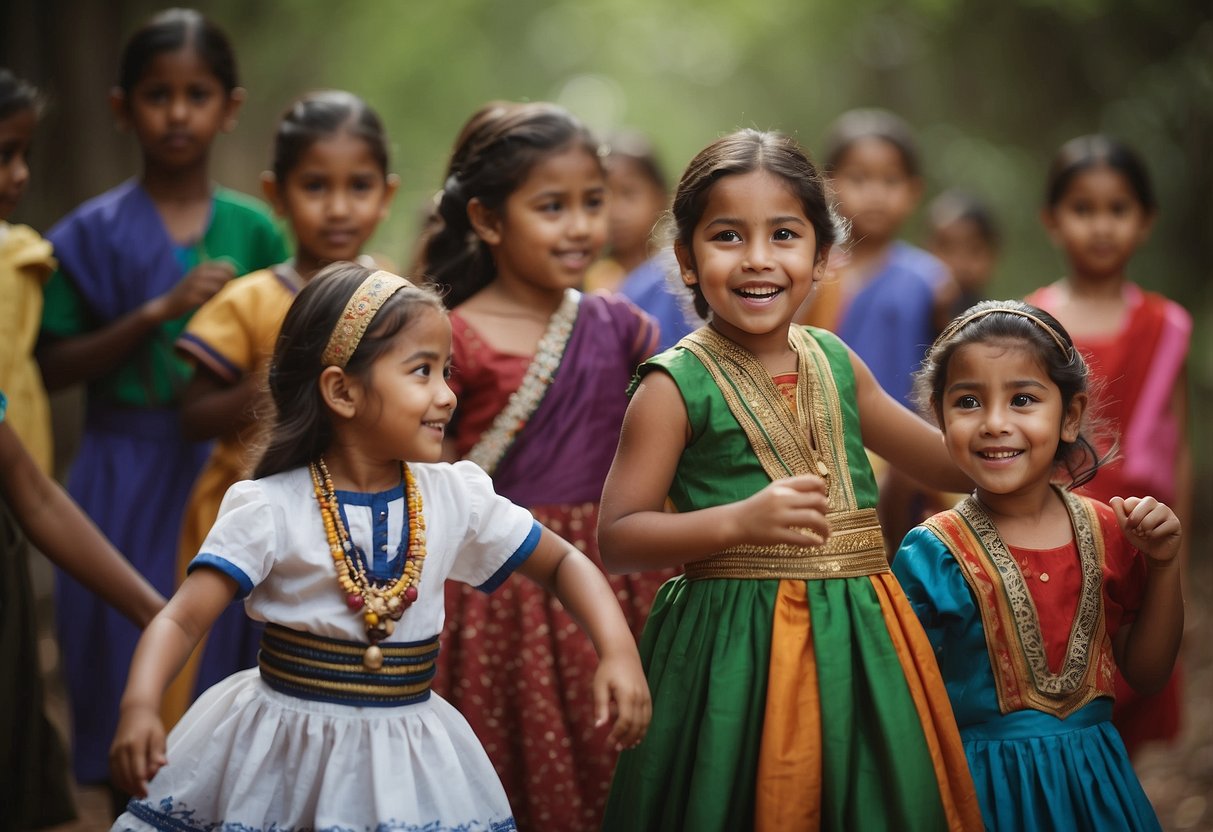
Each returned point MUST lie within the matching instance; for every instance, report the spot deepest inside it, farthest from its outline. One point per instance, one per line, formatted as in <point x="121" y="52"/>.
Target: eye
<point x="967" y="403"/>
<point x="1022" y="400"/>
<point x="363" y="184"/>
<point x="552" y="206"/>
<point x="200" y="95"/>
<point x="595" y="201"/>
<point x="785" y="234"/>
<point x="727" y="236"/>
<point x="422" y="370"/>
<point x="446" y="372"/>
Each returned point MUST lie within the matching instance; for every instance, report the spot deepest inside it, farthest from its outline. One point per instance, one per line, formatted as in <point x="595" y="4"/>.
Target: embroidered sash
<point x="496" y="441"/>
<point x="786" y="443"/>
<point x="1016" y="645"/>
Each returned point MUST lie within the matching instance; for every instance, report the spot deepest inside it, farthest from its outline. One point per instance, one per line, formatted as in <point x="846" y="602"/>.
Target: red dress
<point x="1134" y="373"/>
<point x="514" y="662"/>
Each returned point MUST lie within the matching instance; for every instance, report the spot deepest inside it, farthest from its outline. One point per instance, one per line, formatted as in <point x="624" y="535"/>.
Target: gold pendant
<point x="372" y="658"/>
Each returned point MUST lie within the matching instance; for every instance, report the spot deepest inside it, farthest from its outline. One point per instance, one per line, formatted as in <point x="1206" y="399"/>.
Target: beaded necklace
<point x="379" y="603"/>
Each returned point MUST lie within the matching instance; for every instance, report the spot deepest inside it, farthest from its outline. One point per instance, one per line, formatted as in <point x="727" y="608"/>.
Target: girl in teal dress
<point x="792" y="686"/>
<point x="1031" y="595"/>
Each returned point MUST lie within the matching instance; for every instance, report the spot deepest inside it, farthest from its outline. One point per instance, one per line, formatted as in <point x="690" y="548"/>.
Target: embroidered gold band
<point x="960" y="323"/>
<point x="855" y="549"/>
<point x="367" y="299"/>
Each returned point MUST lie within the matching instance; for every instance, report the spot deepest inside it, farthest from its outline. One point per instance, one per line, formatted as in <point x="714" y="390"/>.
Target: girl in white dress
<point x="341" y="544"/>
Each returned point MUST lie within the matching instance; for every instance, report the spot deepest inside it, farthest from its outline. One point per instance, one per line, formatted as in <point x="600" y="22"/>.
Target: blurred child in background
<point x="963" y="233"/>
<point x="134" y="264"/>
<point x="1099" y="209"/>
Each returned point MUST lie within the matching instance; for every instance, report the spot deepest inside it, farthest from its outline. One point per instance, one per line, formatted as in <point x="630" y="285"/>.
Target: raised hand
<point x="1151" y="526"/>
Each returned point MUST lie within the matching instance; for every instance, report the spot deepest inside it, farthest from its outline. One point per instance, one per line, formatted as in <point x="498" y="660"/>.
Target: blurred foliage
<point x="992" y="90"/>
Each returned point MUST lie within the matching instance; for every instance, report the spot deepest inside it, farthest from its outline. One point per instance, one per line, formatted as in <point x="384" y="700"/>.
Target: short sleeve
<point x="1124" y="572"/>
<point x="64" y="312"/>
<point x="932" y="582"/>
<point x="244" y="540"/>
<point x="217" y="336"/>
<point x="499" y="535"/>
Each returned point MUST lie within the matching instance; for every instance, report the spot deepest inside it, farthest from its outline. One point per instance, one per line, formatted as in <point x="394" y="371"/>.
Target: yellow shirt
<point x="26" y="263"/>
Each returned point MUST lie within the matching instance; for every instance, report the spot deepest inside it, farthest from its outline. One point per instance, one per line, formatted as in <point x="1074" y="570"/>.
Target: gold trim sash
<point x="1016" y="645"/>
<point x="497" y="440"/>
<point x="786" y="443"/>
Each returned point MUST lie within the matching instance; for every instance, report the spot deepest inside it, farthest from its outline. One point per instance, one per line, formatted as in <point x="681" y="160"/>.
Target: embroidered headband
<point x="366" y="301"/>
<point x="960" y="323"/>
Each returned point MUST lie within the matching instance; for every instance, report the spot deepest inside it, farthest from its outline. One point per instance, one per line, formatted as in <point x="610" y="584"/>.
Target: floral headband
<point x="366" y="301"/>
<point x="960" y="323"/>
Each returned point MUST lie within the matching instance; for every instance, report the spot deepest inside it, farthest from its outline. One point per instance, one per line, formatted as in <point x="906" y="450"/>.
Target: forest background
<point x="992" y="89"/>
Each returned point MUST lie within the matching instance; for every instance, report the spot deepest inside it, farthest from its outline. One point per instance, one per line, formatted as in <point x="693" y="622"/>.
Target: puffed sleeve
<point x="933" y="584"/>
<point x="499" y="536"/>
<point x="243" y="542"/>
<point x="218" y="336"/>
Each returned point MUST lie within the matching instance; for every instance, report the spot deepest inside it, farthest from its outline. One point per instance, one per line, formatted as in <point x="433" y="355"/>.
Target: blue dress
<point x="1032" y="770"/>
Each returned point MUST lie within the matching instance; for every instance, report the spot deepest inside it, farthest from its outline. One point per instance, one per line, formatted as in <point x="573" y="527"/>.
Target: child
<point x="639" y="197"/>
<point x="36" y="791"/>
<point x="330" y="182"/>
<point x="134" y="262"/>
<point x="540" y="370"/>
<point x="964" y="235"/>
<point x="890" y="295"/>
<point x="1032" y="595"/>
<point x="1099" y="208"/>
<point x="792" y="686"/>
<point x="337" y="729"/>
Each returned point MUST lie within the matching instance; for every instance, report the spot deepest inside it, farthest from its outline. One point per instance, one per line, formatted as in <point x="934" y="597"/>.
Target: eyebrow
<point x="429" y="355"/>
<point x="1017" y="384"/>
<point x="773" y="221"/>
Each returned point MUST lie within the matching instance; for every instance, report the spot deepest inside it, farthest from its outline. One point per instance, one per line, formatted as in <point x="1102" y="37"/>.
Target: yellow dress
<point x="25" y="265"/>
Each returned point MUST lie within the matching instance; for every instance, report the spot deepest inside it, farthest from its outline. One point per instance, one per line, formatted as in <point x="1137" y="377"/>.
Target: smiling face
<point x="875" y="190"/>
<point x="409" y="403"/>
<point x="753" y="254"/>
<point x="334" y="197"/>
<point x="16" y="133"/>
<point x="176" y="109"/>
<point x="1098" y="222"/>
<point x="1003" y="419"/>
<point x="553" y="225"/>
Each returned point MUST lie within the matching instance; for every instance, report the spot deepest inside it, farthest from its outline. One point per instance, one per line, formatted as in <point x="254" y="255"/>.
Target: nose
<point x="338" y="203"/>
<point x="995" y="422"/>
<point x="445" y="397"/>
<point x="581" y="222"/>
<point x="178" y="108"/>
<point x="758" y="257"/>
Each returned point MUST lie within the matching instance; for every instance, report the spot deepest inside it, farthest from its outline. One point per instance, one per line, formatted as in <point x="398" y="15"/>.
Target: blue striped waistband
<point x="331" y="670"/>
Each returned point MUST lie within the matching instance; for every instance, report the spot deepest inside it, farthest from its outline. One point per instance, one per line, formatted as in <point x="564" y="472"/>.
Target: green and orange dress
<point x="793" y="687"/>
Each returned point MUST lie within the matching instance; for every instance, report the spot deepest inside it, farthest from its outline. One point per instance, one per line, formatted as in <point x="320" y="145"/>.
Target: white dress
<point x="247" y="757"/>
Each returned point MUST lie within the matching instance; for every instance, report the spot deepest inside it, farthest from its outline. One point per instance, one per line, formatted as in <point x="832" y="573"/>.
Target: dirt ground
<point x="1177" y="777"/>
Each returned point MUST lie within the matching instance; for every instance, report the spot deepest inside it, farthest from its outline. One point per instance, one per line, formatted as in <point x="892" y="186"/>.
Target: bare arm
<point x="138" y="749"/>
<point x="906" y="441"/>
<point x="211" y="407"/>
<point x="589" y="599"/>
<point x="63" y="532"/>
<point x="634" y="531"/>
<point x="1146" y="649"/>
<point x="68" y="361"/>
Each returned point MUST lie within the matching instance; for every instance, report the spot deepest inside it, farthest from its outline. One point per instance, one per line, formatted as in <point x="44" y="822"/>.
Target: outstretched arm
<point x="585" y="593"/>
<point x="1146" y="649"/>
<point x="908" y="443"/>
<point x="634" y="531"/>
<point x="62" y="532"/>
<point x="138" y="749"/>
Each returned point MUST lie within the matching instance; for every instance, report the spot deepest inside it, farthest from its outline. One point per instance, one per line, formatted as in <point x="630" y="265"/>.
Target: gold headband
<point x="358" y="314"/>
<point x="960" y="323"/>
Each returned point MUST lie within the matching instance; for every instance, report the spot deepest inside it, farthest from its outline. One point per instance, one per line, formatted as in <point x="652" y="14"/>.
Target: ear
<point x="272" y="192"/>
<point x="341" y="393"/>
<point x="686" y="263"/>
<point x="232" y="108"/>
<point x="822" y="264"/>
<point x="117" y="100"/>
<point x="485" y="223"/>
<point x="1072" y="420"/>
<point x="390" y="186"/>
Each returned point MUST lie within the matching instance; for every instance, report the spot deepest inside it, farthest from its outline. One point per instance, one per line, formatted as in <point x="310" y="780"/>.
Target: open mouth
<point x="758" y="293"/>
<point x="438" y="426"/>
<point x="999" y="455"/>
